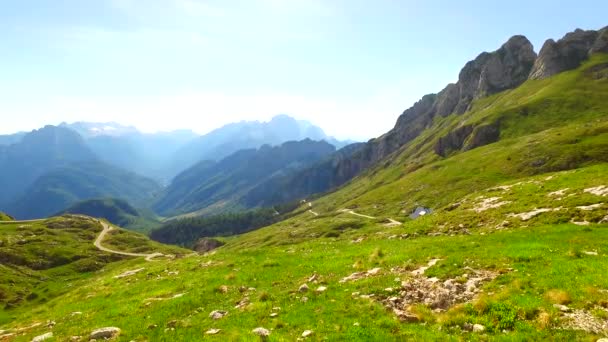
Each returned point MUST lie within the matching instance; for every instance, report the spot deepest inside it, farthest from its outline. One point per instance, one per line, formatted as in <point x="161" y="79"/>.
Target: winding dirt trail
<point x="391" y="222"/>
<point x="99" y="239"/>
<point x="102" y="235"/>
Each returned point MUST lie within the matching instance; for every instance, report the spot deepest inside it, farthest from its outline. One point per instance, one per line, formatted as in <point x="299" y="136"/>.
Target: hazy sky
<point x="348" y="66"/>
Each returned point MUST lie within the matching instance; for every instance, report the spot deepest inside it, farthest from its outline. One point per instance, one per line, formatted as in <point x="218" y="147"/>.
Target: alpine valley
<point x="482" y="215"/>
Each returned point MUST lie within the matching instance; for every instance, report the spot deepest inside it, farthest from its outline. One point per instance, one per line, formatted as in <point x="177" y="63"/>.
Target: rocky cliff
<point x="568" y="52"/>
<point x="491" y="72"/>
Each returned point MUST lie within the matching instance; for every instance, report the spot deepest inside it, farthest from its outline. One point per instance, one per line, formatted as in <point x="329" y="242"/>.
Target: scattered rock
<point x="359" y="275"/>
<point x="262" y="332"/>
<point x="601" y="190"/>
<point x="274" y="314"/>
<point x="559" y="193"/>
<point x="105" y="333"/>
<point x="75" y="338"/>
<point x="421" y="270"/>
<point x="207" y="244"/>
<point x="129" y="273"/>
<point x="213" y="331"/>
<point x="590" y="252"/>
<point x="76" y="313"/>
<point x="242" y="303"/>
<point x="217" y="314"/>
<point x="42" y="337"/>
<point x="172" y="324"/>
<point x="321" y="289"/>
<point x="307" y="333"/>
<point x="562" y="308"/>
<point x="590" y="207"/>
<point x="584" y="320"/>
<point x="313" y="278"/>
<point x="528" y="215"/>
<point x="152" y="326"/>
<point x="304" y="299"/>
<point x="303" y="288"/>
<point x="478" y="328"/>
<point x="488" y="203"/>
<point x="223" y="289"/>
<point x="436" y="295"/>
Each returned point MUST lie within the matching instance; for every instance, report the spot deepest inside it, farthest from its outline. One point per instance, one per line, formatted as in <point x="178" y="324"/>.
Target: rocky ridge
<point x="491" y="72"/>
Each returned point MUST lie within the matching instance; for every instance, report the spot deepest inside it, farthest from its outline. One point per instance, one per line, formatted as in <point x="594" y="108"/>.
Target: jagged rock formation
<point x="489" y="73"/>
<point x="506" y="68"/>
<point x="569" y="52"/>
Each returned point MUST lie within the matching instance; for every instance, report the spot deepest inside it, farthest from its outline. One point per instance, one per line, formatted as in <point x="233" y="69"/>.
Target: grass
<point x="553" y="149"/>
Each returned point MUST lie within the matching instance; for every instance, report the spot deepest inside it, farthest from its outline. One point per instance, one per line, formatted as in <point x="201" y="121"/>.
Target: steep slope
<point x="66" y="185"/>
<point x="490" y="73"/>
<point x="148" y="154"/>
<point x="5" y="217"/>
<point x="212" y="187"/>
<point x="231" y="138"/>
<point x="514" y="247"/>
<point x="116" y="211"/>
<point x="10" y="139"/>
<point x="37" y="153"/>
<point x="39" y="258"/>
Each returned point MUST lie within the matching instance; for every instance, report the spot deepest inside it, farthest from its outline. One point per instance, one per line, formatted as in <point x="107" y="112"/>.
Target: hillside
<point x="5" y="217"/>
<point x="489" y="73"/>
<point x="116" y="211"/>
<point x="37" y="153"/>
<point x="148" y="154"/>
<point x="40" y="257"/>
<point x="224" y="141"/>
<point x="481" y="216"/>
<point x="64" y="186"/>
<point x="216" y="187"/>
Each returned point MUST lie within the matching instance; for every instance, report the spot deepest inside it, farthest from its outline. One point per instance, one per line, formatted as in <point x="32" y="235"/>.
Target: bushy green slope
<point x="526" y="216"/>
<point x="39" y="258"/>
<point x="117" y="211"/>
<point x="538" y="262"/>
<point x="64" y="186"/>
<point x="5" y="217"/>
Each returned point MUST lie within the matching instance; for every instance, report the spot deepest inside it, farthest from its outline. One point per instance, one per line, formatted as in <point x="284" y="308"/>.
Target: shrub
<point x="557" y="296"/>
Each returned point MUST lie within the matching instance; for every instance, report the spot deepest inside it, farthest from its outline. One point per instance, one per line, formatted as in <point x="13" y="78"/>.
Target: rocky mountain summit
<point x="491" y="72"/>
<point x="569" y="52"/>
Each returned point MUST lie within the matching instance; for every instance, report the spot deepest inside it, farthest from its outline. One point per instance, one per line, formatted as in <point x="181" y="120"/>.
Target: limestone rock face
<point x="489" y="73"/>
<point x="569" y="52"/>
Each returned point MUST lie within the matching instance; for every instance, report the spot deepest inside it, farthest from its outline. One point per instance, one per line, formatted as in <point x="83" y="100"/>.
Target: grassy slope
<point x="40" y="258"/>
<point x="536" y="257"/>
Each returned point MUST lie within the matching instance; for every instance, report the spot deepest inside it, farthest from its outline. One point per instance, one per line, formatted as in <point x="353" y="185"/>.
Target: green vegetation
<point x="117" y="211"/>
<point x="186" y="231"/>
<point x="5" y="217"/>
<point x="519" y="227"/>
<point x="38" y="258"/>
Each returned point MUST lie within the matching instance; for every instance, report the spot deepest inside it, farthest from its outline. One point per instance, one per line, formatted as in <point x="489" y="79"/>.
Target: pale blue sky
<point x="349" y="66"/>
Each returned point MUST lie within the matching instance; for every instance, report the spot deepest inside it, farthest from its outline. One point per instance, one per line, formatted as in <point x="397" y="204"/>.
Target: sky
<point x="349" y="66"/>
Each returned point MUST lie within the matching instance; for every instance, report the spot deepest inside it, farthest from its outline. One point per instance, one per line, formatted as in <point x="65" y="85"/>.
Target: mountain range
<point x="49" y="169"/>
<point x="506" y="171"/>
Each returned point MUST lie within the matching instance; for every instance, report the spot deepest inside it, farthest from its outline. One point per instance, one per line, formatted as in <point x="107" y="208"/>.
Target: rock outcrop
<point x="207" y="244"/>
<point x="569" y="52"/>
<point x="489" y="73"/>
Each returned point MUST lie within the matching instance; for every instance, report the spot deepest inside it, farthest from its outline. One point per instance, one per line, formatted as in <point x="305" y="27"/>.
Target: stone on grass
<point x="562" y="308"/>
<point x="212" y="331"/>
<point x="104" y="333"/>
<point x="321" y="289"/>
<point x="303" y="288"/>
<point x="263" y="332"/>
<point x="307" y="333"/>
<point x="42" y="337"/>
<point x="478" y="328"/>
<point x="217" y="314"/>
